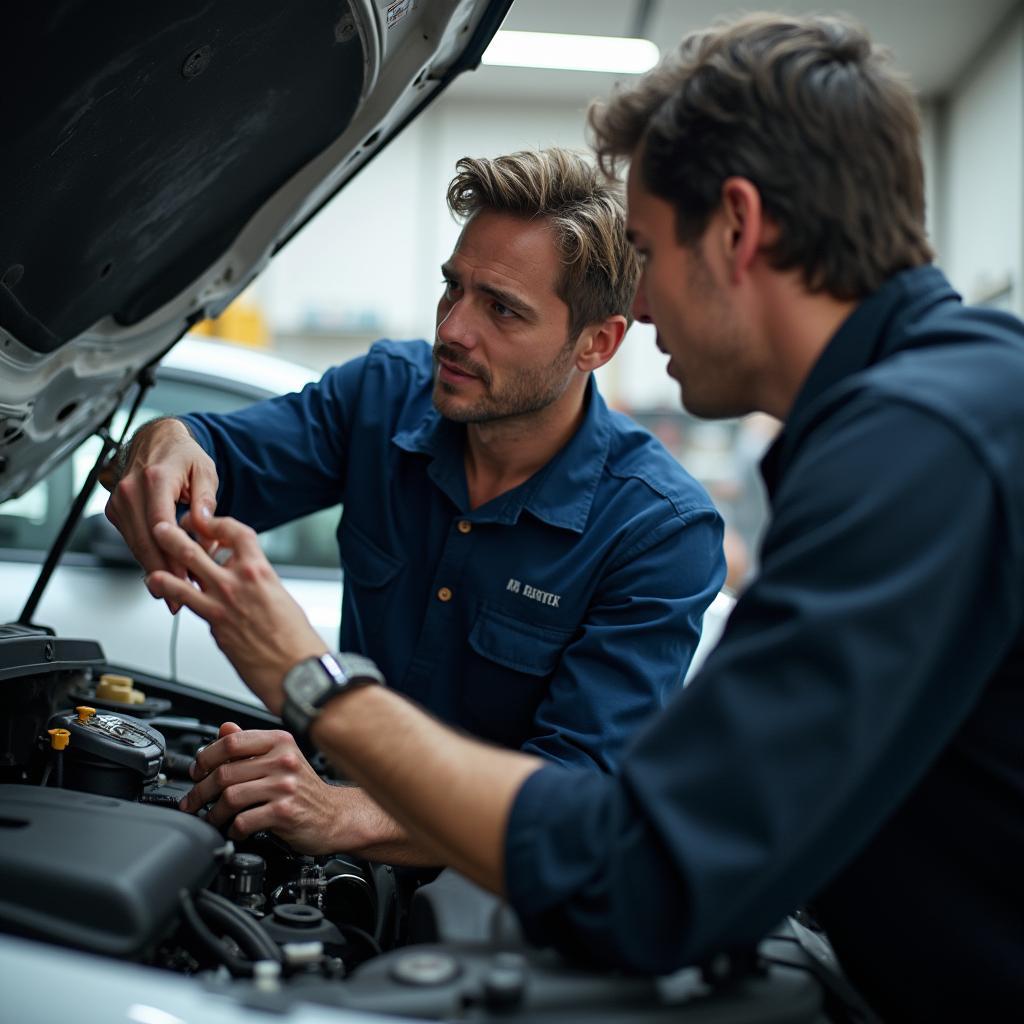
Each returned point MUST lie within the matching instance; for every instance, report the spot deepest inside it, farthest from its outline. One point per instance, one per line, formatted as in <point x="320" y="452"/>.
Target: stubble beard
<point x="717" y="389"/>
<point x="526" y="392"/>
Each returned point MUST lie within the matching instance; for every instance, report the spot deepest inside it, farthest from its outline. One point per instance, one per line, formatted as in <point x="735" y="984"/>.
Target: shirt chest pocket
<point x="365" y="564"/>
<point x="507" y="675"/>
<point x="521" y="646"/>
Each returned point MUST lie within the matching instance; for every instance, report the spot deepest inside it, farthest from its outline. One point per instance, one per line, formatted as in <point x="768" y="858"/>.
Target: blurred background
<point x="325" y="299"/>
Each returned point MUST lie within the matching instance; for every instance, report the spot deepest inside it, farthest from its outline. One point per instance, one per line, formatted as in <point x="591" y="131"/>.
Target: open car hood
<point x="156" y="156"/>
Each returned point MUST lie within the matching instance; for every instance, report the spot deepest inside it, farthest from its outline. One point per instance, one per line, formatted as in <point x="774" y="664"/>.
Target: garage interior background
<point x="368" y="265"/>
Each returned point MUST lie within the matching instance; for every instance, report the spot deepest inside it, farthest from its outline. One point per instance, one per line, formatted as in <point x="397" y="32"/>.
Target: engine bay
<point x="97" y="857"/>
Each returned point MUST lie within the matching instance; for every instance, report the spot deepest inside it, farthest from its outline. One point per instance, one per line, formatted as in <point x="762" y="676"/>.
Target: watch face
<point x="308" y="683"/>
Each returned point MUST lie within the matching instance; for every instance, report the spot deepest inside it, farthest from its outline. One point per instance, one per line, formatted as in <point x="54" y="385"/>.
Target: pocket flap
<point x="363" y="561"/>
<point x="518" y="645"/>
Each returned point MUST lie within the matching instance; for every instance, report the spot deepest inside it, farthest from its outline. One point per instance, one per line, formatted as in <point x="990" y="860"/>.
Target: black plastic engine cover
<point x="96" y="873"/>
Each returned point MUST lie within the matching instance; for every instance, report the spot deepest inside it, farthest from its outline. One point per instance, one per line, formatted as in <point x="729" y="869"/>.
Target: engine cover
<point x="96" y="873"/>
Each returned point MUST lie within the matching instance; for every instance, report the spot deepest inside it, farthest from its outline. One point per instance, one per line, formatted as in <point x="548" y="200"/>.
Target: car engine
<point x="95" y="856"/>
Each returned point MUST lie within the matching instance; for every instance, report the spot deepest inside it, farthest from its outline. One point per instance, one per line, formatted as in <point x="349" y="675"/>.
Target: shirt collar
<point x="875" y="329"/>
<point x="560" y="493"/>
<point x="442" y="442"/>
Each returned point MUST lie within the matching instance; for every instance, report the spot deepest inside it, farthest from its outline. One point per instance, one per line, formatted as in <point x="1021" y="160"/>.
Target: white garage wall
<point x="981" y="152"/>
<point x="930" y="121"/>
<point x="350" y="268"/>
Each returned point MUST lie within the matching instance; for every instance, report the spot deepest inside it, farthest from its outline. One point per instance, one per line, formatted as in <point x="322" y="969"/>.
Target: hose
<point x="211" y="913"/>
<point x="363" y="936"/>
<point x="240" y="925"/>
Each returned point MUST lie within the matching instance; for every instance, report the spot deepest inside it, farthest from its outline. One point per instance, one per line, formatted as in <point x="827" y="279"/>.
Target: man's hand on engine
<point x="258" y="780"/>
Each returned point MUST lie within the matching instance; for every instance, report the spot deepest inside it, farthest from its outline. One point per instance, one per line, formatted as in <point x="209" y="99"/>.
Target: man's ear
<point x="744" y="228"/>
<point x="599" y="343"/>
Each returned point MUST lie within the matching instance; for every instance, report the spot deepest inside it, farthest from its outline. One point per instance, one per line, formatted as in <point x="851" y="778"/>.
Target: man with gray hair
<point x="855" y="740"/>
<point x="526" y="564"/>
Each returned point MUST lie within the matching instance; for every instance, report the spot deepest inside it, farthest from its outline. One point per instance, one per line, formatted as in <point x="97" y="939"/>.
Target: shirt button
<point x="465" y="526"/>
<point x="444" y="594"/>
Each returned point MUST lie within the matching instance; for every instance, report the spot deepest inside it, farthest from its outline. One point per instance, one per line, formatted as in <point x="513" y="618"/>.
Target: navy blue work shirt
<point x="857" y="737"/>
<point x="555" y="618"/>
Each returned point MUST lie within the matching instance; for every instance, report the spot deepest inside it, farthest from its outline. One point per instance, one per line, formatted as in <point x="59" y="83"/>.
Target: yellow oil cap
<point x="84" y="713"/>
<point x="59" y="738"/>
<point x="118" y="689"/>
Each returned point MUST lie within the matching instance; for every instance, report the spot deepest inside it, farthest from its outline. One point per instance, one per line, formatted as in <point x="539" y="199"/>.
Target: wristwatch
<point x="314" y="681"/>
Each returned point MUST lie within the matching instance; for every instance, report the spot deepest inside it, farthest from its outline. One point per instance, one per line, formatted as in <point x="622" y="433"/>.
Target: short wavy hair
<point x="808" y="110"/>
<point x="587" y="217"/>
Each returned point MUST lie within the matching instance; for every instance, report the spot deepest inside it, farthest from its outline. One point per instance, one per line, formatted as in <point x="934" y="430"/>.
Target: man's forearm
<point x="364" y="827"/>
<point x="451" y="795"/>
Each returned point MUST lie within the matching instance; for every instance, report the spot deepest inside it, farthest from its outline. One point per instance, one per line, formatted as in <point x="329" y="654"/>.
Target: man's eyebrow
<point x="506" y="298"/>
<point x="521" y="306"/>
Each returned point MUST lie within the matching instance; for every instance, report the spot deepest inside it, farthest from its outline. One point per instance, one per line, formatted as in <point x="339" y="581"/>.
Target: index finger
<point x="232" y="747"/>
<point x="180" y="548"/>
<point x="230" y="533"/>
<point x="161" y="501"/>
<point x="126" y="509"/>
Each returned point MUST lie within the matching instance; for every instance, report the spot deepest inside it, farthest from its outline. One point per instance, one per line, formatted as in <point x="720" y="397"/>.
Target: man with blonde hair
<point x="526" y="564"/>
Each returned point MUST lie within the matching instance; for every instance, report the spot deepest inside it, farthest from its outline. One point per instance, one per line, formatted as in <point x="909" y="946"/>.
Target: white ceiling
<point x="933" y="40"/>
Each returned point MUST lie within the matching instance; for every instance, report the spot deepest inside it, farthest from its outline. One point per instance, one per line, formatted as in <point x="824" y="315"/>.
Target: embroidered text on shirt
<point x="533" y="593"/>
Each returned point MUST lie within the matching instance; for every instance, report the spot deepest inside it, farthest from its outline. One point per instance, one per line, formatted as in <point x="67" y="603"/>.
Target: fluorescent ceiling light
<point x="571" y="52"/>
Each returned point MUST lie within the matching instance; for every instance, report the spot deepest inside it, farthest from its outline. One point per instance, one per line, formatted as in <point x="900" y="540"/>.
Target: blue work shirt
<point x="555" y="618"/>
<point x="857" y="737"/>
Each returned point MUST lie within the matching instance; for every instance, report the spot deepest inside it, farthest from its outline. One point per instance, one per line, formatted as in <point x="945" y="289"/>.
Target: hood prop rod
<point x="146" y="379"/>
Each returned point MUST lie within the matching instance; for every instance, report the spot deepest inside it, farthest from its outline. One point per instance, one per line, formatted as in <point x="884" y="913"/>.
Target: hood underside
<point x="158" y="154"/>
